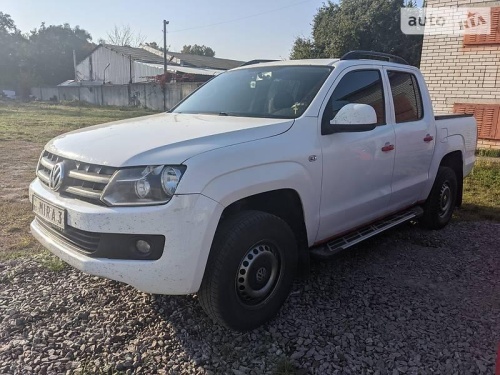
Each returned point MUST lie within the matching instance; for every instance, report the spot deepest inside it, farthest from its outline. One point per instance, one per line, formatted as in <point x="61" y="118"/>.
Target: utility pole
<point x="74" y="65"/>
<point x="165" y="73"/>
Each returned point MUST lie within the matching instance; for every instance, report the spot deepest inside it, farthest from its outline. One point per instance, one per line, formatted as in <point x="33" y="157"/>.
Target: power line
<point x="241" y="18"/>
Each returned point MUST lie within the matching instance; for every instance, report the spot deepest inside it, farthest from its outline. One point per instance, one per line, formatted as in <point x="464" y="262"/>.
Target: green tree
<point x="6" y="23"/>
<point x="304" y="48"/>
<point x="51" y="52"/>
<point x="12" y="46"/>
<point x="372" y="25"/>
<point x="198" y="50"/>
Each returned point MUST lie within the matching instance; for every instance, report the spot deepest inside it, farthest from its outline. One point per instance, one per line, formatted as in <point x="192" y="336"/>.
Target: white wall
<point x="119" y="72"/>
<point x="146" y="95"/>
<point x="142" y="71"/>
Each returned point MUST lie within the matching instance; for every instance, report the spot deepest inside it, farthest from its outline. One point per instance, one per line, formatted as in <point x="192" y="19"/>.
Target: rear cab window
<point x="406" y="96"/>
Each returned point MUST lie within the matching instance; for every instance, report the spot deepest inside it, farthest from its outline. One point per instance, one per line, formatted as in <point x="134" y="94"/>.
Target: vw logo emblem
<point x="56" y="176"/>
<point x="261" y="274"/>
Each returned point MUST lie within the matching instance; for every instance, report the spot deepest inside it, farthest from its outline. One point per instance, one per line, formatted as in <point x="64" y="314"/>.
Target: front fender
<point x="291" y="160"/>
<point x="236" y="185"/>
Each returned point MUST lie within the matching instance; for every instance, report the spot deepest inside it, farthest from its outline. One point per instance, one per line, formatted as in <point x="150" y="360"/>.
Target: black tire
<point x="250" y="270"/>
<point x="439" y="207"/>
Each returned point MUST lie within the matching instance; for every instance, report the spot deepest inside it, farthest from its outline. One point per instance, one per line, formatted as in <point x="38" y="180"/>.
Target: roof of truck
<point x="351" y="58"/>
<point x="327" y="62"/>
<point x="312" y="62"/>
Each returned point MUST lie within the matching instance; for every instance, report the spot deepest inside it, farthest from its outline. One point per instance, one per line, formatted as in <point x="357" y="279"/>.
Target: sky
<point x="234" y="29"/>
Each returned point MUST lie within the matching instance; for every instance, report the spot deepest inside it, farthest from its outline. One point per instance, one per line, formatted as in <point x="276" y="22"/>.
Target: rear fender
<point x="446" y="146"/>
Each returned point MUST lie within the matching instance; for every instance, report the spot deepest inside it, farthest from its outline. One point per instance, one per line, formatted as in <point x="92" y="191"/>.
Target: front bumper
<point x="188" y="223"/>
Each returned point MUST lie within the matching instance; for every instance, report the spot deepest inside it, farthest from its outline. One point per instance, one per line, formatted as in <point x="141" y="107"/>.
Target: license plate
<point x="49" y="212"/>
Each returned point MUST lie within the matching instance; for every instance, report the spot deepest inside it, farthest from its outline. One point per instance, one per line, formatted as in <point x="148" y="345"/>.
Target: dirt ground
<point x="18" y="161"/>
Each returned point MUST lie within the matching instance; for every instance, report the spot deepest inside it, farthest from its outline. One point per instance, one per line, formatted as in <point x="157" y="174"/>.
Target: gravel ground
<point x="407" y="302"/>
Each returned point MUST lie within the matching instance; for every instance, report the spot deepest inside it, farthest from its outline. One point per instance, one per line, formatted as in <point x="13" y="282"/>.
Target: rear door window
<point x="406" y="97"/>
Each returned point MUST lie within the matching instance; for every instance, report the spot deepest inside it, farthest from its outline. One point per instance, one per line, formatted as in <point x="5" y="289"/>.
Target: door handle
<point x="388" y="147"/>
<point x="428" y="138"/>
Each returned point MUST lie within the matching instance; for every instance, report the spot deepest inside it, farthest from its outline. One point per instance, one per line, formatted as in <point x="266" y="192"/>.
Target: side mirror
<point x="352" y="118"/>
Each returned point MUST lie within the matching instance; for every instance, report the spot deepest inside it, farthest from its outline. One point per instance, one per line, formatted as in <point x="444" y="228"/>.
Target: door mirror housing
<point x="351" y="118"/>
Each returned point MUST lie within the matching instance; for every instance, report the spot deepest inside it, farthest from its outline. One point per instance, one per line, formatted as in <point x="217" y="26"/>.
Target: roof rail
<point x="372" y="55"/>
<point x="252" y="62"/>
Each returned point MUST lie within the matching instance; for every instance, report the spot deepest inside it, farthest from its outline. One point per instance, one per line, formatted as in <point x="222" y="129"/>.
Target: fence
<point x="147" y="95"/>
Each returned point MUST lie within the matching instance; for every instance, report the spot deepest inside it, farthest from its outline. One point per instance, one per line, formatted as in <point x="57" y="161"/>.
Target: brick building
<point x="463" y="72"/>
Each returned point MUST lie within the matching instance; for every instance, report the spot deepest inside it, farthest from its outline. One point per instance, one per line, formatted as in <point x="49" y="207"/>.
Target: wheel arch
<point x="452" y="150"/>
<point x="454" y="160"/>
<point x="285" y="204"/>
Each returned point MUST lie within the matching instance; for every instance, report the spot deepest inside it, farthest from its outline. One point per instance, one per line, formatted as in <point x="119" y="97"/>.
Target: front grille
<point x="86" y="242"/>
<point x="81" y="180"/>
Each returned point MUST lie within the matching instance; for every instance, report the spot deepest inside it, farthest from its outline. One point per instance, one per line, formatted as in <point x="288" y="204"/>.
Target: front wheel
<point x="250" y="270"/>
<point x="439" y="207"/>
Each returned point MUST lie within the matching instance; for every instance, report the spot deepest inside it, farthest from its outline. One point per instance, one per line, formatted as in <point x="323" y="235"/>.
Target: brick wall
<point x="459" y="74"/>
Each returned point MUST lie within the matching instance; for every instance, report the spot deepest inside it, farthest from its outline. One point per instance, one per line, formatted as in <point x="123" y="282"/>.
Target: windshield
<point x="278" y="92"/>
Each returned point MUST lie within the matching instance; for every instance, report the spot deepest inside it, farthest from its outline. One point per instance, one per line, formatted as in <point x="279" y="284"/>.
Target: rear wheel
<point x="250" y="270"/>
<point x="439" y="207"/>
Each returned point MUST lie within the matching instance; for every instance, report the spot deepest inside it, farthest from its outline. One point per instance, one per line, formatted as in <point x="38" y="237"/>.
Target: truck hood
<point x="166" y="138"/>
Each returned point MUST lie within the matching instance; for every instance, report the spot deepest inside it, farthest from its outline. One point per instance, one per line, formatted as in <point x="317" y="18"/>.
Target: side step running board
<point x="341" y="243"/>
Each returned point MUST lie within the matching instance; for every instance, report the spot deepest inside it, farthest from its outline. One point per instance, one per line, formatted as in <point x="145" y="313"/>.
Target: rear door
<point x="415" y="137"/>
<point x="357" y="167"/>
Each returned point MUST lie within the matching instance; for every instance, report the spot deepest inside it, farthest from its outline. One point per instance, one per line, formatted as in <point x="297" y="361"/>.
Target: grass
<point x="285" y="367"/>
<point x="39" y="122"/>
<point x="50" y="262"/>
<point x="482" y="192"/>
<point x="34" y="124"/>
<point x="15" y="218"/>
<point x="490" y="153"/>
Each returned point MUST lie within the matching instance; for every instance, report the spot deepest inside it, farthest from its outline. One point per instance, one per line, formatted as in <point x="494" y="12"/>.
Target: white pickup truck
<point x="230" y="193"/>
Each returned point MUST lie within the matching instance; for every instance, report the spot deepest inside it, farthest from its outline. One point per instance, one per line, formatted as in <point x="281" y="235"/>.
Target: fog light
<point x="143" y="247"/>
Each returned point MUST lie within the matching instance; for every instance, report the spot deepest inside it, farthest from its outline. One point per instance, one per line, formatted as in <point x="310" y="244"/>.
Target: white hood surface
<point x="166" y="138"/>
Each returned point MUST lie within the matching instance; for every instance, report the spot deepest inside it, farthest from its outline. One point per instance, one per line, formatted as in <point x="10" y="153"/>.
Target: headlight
<point x="142" y="186"/>
<point x="170" y="178"/>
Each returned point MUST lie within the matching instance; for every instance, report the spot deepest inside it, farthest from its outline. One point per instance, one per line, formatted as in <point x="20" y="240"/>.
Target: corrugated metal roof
<point x="195" y="61"/>
<point x="205" y="61"/>
<point x="186" y="69"/>
<point x="137" y="54"/>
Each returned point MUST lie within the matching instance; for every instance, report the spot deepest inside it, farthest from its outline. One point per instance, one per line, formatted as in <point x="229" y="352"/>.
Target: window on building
<point x="487" y="117"/>
<point x="406" y="97"/>
<point x="360" y="87"/>
<point x="490" y="39"/>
